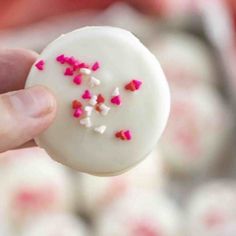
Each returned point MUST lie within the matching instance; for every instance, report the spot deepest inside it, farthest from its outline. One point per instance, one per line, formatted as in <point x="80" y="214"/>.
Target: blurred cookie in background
<point x="212" y="209"/>
<point x="140" y="213"/>
<point x="97" y="193"/>
<point x="32" y="184"/>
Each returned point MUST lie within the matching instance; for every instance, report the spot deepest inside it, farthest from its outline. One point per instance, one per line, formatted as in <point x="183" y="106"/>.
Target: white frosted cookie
<point x="113" y="99"/>
<point x="140" y="213"/>
<point x="31" y="184"/>
<point x="212" y="209"/>
<point x="97" y="193"/>
<point x="55" y="224"/>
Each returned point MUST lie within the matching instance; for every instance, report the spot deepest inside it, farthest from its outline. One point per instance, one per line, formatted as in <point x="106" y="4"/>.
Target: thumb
<point x="24" y="114"/>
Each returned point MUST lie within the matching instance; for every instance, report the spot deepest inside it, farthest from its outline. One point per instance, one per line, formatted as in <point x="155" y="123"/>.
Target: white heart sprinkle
<point x="101" y="129"/>
<point x="85" y="71"/>
<point x="116" y="92"/>
<point x="94" y="82"/>
<point x="88" y="110"/>
<point x="86" y="122"/>
<point x="93" y="100"/>
<point x="104" y="109"/>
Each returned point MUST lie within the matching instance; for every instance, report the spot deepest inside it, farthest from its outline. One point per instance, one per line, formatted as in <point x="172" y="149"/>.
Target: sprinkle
<point x="101" y="129"/>
<point x="104" y="109"/>
<point x="93" y="100"/>
<point x="94" y="82"/>
<point x="77" y="79"/>
<point x="86" y="94"/>
<point x="97" y="108"/>
<point x="116" y="92"/>
<point x="124" y="135"/>
<point x="116" y="100"/>
<point x="85" y="71"/>
<point x="95" y="66"/>
<point x="40" y="65"/>
<point x="68" y="71"/>
<point x="100" y="99"/>
<point x="71" y="61"/>
<point x="83" y="65"/>
<point x="133" y="85"/>
<point x="86" y="122"/>
<point x="88" y="110"/>
<point x="78" y="112"/>
<point x="61" y="58"/>
<point x="76" y="104"/>
<point x="76" y="65"/>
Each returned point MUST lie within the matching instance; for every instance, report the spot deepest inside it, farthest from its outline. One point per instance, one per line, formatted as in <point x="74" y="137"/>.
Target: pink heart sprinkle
<point x="95" y="66"/>
<point x="40" y="65"/>
<point x="83" y="65"/>
<point x="128" y="135"/>
<point x="78" y="112"/>
<point x="77" y="79"/>
<point x="61" y="58"/>
<point x="87" y="94"/>
<point x="116" y="100"/>
<point x="71" y="61"/>
<point x="137" y="83"/>
<point x="68" y="71"/>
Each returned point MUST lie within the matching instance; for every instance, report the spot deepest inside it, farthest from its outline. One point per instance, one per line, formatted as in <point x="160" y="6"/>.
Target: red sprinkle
<point x="77" y="79"/>
<point x="87" y="95"/>
<point x="68" y="71"/>
<point x="124" y="135"/>
<point x="78" y="112"/>
<point x="97" y="108"/>
<point x="40" y="65"/>
<point x="100" y="99"/>
<point x="116" y="100"/>
<point x="61" y="58"/>
<point x="133" y="85"/>
<point x="95" y="66"/>
<point x="76" y="104"/>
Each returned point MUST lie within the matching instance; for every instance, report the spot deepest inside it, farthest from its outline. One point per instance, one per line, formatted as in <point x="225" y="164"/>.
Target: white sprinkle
<point x="85" y="71"/>
<point x="86" y="122"/>
<point x="101" y="129"/>
<point x="88" y="110"/>
<point x="93" y="100"/>
<point x="94" y="82"/>
<point x="116" y="92"/>
<point x="104" y="109"/>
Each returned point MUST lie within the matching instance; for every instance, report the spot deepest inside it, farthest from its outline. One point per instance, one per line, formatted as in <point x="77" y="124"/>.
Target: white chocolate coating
<point x="144" y="112"/>
<point x="140" y="213"/>
<point x="212" y="209"/>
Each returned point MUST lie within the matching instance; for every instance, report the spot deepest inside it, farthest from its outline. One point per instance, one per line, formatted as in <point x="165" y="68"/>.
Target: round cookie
<point x="97" y="193"/>
<point x="140" y="213"/>
<point x="56" y="224"/>
<point x="113" y="99"/>
<point x="32" y="184"/>
<point x="212" y="209"/>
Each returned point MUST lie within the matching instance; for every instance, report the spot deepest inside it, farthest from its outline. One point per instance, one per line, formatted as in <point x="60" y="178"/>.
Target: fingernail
<point x="35" y="102"/>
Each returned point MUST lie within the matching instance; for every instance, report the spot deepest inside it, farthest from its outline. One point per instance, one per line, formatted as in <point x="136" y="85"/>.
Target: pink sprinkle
<point x="40" y="65"/>
<point x="83" y="65"/>
<point x="78" y="112"/>
<point x="87" y="95"/>
<point x="76" y="65"/>
<point x="61" y="58"/>
<point x="68" y="71"/>
<point x="95" y="66"/>
<point x="137" y="83"/>
<point x="116" y="100"/>
<point x="128" y="134"/>
<point x="71" y="61"/>
<point x="77" y="79"/>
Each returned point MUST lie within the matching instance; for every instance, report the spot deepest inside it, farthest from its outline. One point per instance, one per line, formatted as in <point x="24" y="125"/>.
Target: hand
<point x="24" y="113"/>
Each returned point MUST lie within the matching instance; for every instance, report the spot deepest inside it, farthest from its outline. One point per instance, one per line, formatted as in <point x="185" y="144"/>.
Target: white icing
<point x="122" y="57"/>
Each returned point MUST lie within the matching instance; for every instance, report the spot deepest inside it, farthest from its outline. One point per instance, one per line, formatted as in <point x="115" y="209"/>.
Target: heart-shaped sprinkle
<point x="40" y="65"/>
<point x="78" y="112"/>
<point x="95" y="66"/>
<point x="100" y="99"/>
<point x="77" y="79"/>
<point x="85" y="71"/>
<point x="124" y="135"/>
<point x="116" y="92"/>
<point x="137" y="84"/>
<point x="101" y="129"/>
<point x="104" y="109"/>
<point x="133" y="85"/>
<point x="87" y="95"/>
<point x="69" y="71"/>
<point x="93" y="100"/>
<point x="71" y="61"/>
<point x="94" y="82"/>
<point x="120" y="135"/>
<point x="86" y="122"/>
<point x="61" y="58"/>
<point x="128" y="135"/>
<point x="76" y="104"/>
<point x="88" y="110"/>
<point x="83" y="65"/>
<point x="116" y="100"/>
